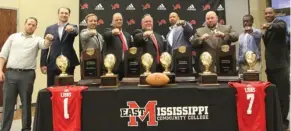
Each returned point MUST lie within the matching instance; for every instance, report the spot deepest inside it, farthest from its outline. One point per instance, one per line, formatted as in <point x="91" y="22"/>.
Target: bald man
<point x="180" y="32"/>
<point x="213" y="37"/>
<point x="117" y="41"/>
<point x="277" y="58"/>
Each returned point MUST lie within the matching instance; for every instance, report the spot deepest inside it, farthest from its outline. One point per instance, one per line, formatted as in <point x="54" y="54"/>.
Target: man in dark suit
<point x="180" y="32"/>
<point x="214" y="37"/>
<point x="277" y="59"/>
<point x="150" y="42"/>
<point x="117" y="42"/>
<point x="64" y="35"/>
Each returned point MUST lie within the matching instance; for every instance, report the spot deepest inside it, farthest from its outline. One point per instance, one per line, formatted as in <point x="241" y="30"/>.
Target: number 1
<point x="66" y="114"/>
<point x="250" y="97"/>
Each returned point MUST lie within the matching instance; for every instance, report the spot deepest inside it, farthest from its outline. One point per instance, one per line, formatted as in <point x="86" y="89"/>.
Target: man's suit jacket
<point x="147" y="46"/>
<point x="213" y="44"/>
<point x="276" y="53"/>
<point x="113" y="44"/>
<point x="88" y="41"/>
<point x="181" y="36"/>
<point x="60" y="46"/>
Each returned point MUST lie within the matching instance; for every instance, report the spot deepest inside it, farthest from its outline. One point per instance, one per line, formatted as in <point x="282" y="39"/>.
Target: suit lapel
<point x="65" y="33"/>
<point x="56" y="31"/>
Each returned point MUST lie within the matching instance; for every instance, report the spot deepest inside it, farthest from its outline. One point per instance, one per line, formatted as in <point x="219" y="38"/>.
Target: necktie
<point x="123" y="42"/>
<point x="157" y="47"/>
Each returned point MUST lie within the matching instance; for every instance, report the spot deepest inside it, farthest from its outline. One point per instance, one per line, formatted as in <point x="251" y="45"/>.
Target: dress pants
<point x="17" y="82"/>
<point x="280" y="77"/>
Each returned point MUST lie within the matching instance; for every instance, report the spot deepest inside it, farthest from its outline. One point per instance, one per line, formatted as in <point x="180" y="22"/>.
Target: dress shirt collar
<point x="28" y="36"/>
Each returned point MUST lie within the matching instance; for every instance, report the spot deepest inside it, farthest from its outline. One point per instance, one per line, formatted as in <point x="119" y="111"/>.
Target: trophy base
<point x="172" y="78"/>
<point x="90" y="82"/>
<point x="130" y="80"/>
<point x="142" y="80"/>
<point x="64" y="80"/>
<point x="209" y="79"/>
<point x="251" y="76"/>
<point x="109" y="81"/>
<point x="186" y="79"/>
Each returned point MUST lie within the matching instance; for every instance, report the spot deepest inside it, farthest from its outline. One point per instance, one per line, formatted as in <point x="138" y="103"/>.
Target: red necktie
<point x="157" y="47"/>
<point x="123" y="42"/>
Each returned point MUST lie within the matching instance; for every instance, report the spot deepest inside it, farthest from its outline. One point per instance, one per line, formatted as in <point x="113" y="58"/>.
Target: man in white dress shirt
<point x="20" y="52"/>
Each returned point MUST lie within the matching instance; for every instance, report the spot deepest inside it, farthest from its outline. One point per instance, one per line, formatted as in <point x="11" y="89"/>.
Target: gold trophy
<point x="109" y="79"/>
<point x="62" y="63"/>
<point x="251" y="74"/>
<point x="207" y="77"/>
<point x="166" y="60"/>
<point x="147" y="62"/>
<point x="109" y="62"/>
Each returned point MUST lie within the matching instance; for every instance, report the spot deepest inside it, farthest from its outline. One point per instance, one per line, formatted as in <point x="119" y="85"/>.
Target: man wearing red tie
<point x="150" y="42"/>
<point x="117" y="42"/>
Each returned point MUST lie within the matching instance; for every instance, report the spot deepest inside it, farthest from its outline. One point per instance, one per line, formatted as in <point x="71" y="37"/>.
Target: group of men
<point x="59" y="39"/>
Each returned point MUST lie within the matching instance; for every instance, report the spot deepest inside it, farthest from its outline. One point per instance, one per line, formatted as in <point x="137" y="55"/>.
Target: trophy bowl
<point x="109" y="62"/>
<point x="147" y="61"/>
<point x="62" y="63"/>
<point x="166" y="60"/>
<point x="251" y="60"/>
<point x="206" y="60"/>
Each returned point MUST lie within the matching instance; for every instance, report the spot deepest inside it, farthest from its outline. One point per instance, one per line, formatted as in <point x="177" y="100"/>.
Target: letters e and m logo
<point x="155" y="114"/>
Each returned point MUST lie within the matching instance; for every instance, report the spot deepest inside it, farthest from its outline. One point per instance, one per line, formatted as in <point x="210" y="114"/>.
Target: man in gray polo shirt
<point x="20" y="52"/>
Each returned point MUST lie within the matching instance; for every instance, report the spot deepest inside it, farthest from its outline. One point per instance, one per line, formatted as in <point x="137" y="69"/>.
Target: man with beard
<point x="180" y="32"/>
<point x="277" y="59"/>
<point x="20" y="51"/>
<point x="179" y="35"/>
<point x="214" y="37"/>
<point x="64" y="35"/>
<point x="150" y="42"/>
<point x="117" y="41"/>
<point x="90" y="38"/>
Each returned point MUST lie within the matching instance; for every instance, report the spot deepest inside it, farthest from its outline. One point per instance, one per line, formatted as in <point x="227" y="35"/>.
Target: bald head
<point x="211" y="19"/>
<point x="269" y="14"/>
<point x="173" y="18"/>
<point x="117" y="20"/>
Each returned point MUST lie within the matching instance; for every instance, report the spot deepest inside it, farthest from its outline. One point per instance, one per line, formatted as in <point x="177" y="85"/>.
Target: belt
<point x="20" y="70"/>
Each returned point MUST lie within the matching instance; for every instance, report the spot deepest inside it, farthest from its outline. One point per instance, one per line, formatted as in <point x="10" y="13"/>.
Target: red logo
<point x="146" y="6"/>
<point x="130" y="22"/>
<point x="177" y="6"/>
<point x="194" y="53"/>
<point x="192" y="22"/>
<point x="100" y="22"/>
<point x="84" y="6"/>
<point x="134" y="111"/>
<point x="115" y="6"/>
<point x="206" y="7"/>
<point x="221" y="21"/>
<point x="162" y="22"/>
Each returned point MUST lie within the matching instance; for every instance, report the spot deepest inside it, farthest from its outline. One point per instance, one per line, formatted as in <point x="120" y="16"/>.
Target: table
<point x="104" y="109"/>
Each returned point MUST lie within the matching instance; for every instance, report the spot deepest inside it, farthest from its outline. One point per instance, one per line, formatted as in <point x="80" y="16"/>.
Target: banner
<point x="133" y="10"/>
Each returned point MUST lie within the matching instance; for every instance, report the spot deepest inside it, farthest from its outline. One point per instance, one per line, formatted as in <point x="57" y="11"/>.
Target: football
<point x="157" y="79"/>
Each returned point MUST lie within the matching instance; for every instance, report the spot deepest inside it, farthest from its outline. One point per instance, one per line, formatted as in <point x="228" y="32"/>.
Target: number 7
<point x="66" y="104"/>
<point x="250" y="97"/>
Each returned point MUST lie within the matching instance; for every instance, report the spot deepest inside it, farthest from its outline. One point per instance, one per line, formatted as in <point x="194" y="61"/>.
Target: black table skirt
<point x="101" y="108"/>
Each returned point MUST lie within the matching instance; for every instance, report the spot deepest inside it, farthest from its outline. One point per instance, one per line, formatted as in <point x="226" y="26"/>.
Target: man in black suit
<point x="117" y="42"/>
<point x="150" y="42"/>
<point x="64" y="35"/>
<point x="277" y="59"/>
